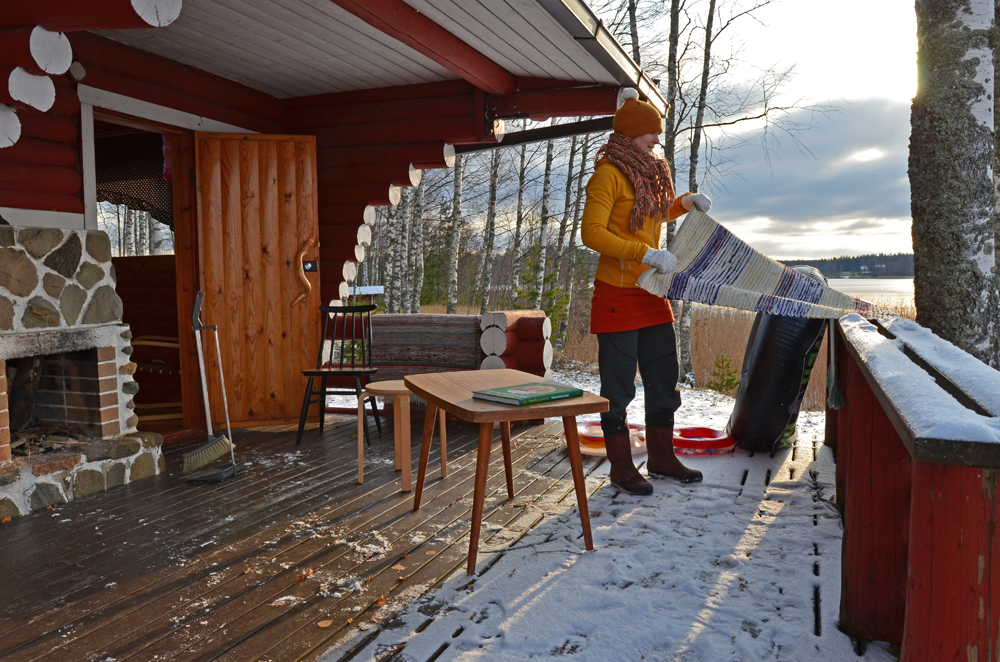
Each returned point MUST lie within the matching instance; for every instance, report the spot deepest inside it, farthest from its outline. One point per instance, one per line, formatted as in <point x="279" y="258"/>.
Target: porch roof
<point x="293" y="48"/>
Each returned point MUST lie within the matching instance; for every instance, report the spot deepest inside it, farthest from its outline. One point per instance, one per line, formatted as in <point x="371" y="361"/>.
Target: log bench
<point x="917" y="444"/>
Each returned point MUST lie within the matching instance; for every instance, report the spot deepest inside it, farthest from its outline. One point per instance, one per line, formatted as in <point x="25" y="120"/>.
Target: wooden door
<point x="257" y="222"/>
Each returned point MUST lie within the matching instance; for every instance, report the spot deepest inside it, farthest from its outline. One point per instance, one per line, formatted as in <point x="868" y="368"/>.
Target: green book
<point x="528" y="394"/>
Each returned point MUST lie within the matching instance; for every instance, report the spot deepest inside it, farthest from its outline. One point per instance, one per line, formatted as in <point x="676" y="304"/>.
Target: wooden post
<point x="952" y="587"/>
<point x="876" y="467"/>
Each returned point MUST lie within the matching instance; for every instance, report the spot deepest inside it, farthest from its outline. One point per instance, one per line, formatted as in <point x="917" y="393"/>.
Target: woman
<point x="629" y="198"/>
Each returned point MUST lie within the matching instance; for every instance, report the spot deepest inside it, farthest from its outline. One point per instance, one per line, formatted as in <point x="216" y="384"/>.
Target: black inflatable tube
<point x="779" y="358"/>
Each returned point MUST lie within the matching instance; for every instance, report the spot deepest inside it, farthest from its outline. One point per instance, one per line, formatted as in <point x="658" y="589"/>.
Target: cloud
<point x="849" y="194"/>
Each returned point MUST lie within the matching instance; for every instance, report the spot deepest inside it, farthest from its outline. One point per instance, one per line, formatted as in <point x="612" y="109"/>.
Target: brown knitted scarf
<point x="650" y="177"/>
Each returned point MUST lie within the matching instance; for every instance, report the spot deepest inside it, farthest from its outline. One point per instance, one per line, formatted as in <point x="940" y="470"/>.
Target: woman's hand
<point x="662" y="261"/>
<point x="700" y="201"/>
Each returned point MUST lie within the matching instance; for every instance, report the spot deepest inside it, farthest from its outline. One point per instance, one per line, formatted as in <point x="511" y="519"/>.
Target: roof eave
<point x="589" y="31"/>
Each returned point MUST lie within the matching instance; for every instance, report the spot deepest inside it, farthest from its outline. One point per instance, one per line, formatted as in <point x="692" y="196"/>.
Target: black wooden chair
<point x="345" y="354"/>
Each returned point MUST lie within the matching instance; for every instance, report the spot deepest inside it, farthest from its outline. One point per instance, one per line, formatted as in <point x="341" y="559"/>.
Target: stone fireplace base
<point x="40" y="481"/>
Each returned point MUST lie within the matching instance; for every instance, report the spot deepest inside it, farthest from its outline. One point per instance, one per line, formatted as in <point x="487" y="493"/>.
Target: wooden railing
<point x="917" y="445"/>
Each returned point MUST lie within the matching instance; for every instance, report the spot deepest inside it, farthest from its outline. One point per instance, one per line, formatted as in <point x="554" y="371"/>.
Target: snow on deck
<point x="742" y="567"/>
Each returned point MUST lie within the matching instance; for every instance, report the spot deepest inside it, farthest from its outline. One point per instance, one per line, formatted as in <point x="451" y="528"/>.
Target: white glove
<point x="698" y="200"/>
<point x="662" y="261"/>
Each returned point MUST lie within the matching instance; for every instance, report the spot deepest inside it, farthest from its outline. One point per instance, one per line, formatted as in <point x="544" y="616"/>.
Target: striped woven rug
<point x="716" y="267"/>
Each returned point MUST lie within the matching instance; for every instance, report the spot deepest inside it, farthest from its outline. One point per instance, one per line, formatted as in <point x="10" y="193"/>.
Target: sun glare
<point x="870" y="154"/>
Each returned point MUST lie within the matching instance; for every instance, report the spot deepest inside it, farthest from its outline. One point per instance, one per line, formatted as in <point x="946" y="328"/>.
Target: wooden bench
<point x="918" y="446"/>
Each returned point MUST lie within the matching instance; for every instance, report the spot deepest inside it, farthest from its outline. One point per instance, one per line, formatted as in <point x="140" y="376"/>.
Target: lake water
<point x="876" y="290"/>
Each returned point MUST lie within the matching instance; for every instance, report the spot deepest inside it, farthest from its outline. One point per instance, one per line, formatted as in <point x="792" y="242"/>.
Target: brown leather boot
<point x="662" y="462"/>
<point x="623" y="472"/>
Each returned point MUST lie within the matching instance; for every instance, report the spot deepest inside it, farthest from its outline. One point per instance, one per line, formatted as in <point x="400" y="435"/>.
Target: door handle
<point x="306" y="285"/>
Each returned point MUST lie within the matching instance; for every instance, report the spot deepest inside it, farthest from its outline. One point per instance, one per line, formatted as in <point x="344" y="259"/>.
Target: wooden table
<point x="452" y="392"/>
<point x="400" y="395"/>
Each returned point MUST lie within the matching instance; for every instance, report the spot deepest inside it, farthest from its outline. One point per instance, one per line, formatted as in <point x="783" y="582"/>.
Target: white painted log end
<point x="395" y="194"/>
<point x="500" y="320"/>
<point x="492" y="363"/>
<point x="547" y="328"/>
<point x="449" y="155"/>
<point x="547" y="355"/>
<point x="486" y="321"/>
<point x="10" y="126"/>
<point x="50" y="51"/>
<point x="344" y="290"/>
<point x="416" y="174"/>
<point x="548" y="374"/>
<point x="364" y="235"/>
<point x="77" y="72"/>
<point x="359" y="253"/>
<point x="493" y="342"/>
<point x="350" y="271"/>
<point x="369" y="215"/>
<point x="36" y="91"/>
<point x="158" y="13"/>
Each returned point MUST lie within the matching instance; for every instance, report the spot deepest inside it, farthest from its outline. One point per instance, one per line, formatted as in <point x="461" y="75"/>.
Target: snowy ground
<point x="742" y="567"/>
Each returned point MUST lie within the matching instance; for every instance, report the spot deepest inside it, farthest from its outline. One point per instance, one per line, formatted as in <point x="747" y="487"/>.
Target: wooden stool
<point x="401" y="429"/>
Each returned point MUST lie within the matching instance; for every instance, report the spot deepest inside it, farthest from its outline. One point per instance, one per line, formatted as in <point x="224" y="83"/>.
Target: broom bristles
<point x="213" y="450"/>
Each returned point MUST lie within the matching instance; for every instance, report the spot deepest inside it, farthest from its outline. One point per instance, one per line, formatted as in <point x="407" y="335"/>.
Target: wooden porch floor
<point x="275" y="564"/>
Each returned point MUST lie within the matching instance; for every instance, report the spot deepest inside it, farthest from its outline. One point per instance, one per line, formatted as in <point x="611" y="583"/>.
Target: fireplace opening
<point x="58" y="400"/>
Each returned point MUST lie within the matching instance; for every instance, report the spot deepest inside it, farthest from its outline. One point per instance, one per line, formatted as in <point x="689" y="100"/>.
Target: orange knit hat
<point x="636" y="118"/>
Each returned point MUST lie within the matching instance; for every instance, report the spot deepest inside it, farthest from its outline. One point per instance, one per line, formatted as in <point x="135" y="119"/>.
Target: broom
<point x="217" y="446"/>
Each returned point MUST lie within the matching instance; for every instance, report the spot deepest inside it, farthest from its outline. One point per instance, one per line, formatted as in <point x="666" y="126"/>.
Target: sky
<point x="844" y="190"/>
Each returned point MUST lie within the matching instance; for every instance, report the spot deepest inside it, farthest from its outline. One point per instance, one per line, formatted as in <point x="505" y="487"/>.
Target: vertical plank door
<point x="257" y="211"/>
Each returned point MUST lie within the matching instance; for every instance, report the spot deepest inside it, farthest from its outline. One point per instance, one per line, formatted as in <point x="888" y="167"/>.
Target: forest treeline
<point x="880" y="265"/>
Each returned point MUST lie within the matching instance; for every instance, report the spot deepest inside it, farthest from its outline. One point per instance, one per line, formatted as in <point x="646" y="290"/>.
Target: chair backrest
<point x="347" y="337"/>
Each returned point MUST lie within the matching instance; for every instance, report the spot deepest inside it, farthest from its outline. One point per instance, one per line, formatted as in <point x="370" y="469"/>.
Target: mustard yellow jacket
<point x="604" y="227"/>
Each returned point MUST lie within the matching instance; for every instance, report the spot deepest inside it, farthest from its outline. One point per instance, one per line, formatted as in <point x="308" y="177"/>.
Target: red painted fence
<point x="920" y="539"/>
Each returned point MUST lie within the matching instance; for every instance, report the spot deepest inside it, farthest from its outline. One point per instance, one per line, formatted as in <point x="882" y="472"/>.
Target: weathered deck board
<point x="189" y="572"/>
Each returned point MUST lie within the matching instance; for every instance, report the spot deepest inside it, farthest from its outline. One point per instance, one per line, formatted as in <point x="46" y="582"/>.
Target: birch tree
<point x="454" y="236"/>
<point x="953" y="176"/>
<point x="543" y="231"/>
<point x="417" y="248"/>
<point x="491" y="221"/>
<point x="519" y="222"/>
<point x="564" y="222"/>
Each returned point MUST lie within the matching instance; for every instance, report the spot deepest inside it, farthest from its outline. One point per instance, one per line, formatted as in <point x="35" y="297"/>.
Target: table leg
<point x="361" y="439"/>
<point x="425" y="451"/>
<point x="444" y="445"/>
<point x="404" y="440"/>
<point x="508" y="469"/>
<point x="576" y="462"/>
<point x="397" y="430"/>
<point x="482" y="467"/>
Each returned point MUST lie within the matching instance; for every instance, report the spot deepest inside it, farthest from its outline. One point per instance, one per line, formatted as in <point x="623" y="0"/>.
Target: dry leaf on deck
<point x="399" y="566"/>
<point x="325" y="624"/>
<point x="6" y="518"/>
<point x="308" y="573"/>
<point x="430" y="552"/>
<point x="381" y="600"/>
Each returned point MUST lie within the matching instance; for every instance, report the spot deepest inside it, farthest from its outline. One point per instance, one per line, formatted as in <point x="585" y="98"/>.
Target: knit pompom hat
<point x="636" y="118"/>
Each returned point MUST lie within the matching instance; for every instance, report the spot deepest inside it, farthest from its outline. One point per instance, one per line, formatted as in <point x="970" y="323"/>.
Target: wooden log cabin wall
<point x="368" y="142"/>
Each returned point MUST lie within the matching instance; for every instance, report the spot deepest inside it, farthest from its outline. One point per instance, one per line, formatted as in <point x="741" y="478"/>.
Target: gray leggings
<point x="654" y="350"/>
